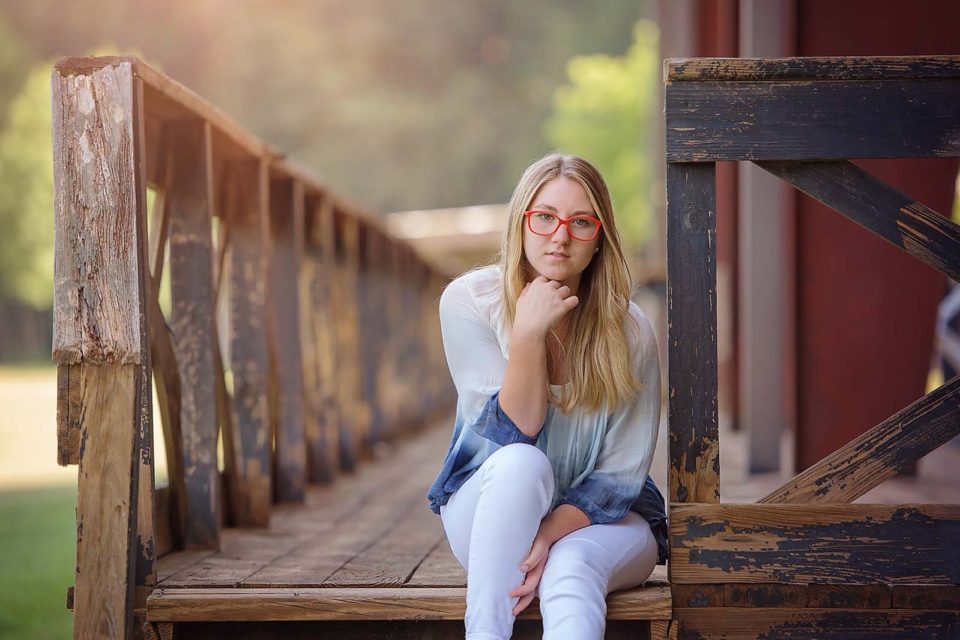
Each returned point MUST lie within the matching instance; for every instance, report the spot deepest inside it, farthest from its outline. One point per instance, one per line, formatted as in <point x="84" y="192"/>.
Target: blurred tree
<point x="604" y="115"/>
<point x="15" y="59"/>
<point x="26" y="200"/>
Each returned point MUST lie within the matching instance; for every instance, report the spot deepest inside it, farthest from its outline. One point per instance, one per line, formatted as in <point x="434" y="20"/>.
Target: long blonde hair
<point x="597" y="355"/>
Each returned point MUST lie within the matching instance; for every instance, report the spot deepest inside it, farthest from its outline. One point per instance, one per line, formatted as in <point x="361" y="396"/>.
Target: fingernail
<point x="524" y="567"/>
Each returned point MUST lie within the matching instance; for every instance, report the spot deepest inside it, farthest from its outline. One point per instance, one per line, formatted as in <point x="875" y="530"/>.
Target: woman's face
<point x="560" y="256"/>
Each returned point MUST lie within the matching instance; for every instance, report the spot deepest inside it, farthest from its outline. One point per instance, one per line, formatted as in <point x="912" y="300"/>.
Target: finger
<point x="529" y="586"/>
<point x="564" y="291"/>
<point x="522" y="604"/>
<point x="571" y="302"/>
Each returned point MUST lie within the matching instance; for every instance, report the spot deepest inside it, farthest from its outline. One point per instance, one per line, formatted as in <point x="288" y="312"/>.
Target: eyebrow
<point x="554" y="209"/>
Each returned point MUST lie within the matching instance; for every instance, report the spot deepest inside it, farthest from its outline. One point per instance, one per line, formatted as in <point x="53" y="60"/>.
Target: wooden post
<point x="100" y="333"/>
<point x="290" y="460"/>
<point x="190" y="199"/>
<point x="692" y="309"/>
<point x="250" y="228"/>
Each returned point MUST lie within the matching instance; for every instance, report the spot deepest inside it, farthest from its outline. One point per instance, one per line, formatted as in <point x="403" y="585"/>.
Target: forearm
<point x="523" y="394"/>
<point x="565" y="519"/>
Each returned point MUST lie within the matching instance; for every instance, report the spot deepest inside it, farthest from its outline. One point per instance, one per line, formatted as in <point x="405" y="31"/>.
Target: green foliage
<point x="605" y="114"/>
<point x="26" y="200"/>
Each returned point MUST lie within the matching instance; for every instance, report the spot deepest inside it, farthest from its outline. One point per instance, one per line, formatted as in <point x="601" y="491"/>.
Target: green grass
<point x="37" y="534"/>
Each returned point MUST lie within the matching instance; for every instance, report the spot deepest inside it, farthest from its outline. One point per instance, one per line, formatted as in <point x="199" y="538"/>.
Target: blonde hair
<point x="596" y="354"/>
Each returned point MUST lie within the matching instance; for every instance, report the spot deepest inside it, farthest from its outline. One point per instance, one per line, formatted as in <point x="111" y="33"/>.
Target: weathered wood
<point x="697" y="595"/>
<point x="826" y="544"/>
<point x="865" y="462"/>
<point x="291" y="456"/>
<point x="190" y="200"/>
<point x="349" y="603"/>
<point x="96" y="262"/>
<point x="68" y="414"/>
<point x="812" y="68"/>
<point x="439" y="569"/>
<point x="824" y="624"/>
<point x="345" y="303"/>
<point x="250" y="488"/>
<point x="692" y="333"/>
<point x="926" y="596"/>
<point x="845" y="596"/>
<point x="811" y="120"/>
<point x="764" y="595"/>
<point x="897" y="218"/>
<point x="107" y="493"/>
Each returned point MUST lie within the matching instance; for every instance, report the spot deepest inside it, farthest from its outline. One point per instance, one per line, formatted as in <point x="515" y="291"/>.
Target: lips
<point x="558" y="255"/>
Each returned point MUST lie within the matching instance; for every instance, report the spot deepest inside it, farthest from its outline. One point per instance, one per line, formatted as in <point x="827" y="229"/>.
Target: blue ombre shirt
<point x="600" y="459"/>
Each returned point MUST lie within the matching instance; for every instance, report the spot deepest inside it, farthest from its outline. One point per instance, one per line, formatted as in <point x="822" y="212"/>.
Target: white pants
<point x="491" y="522"/>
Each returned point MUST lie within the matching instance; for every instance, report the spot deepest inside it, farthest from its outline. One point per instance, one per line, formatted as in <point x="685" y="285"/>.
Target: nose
<point x="562" y="233"/>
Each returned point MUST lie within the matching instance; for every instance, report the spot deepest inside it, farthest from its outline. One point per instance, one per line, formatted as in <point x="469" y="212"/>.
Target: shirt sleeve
<point x="627" y="448"/>
<point x="476" y="365"/>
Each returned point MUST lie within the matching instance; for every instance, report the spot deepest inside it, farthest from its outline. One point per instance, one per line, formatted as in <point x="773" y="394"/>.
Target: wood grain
<point x="865" y="462"/>
<point x="826" y="544"/>
<point x="96" y="290"/>
<point x="811" y="120"/>
<point x="894" y="216"/>
<point x="692" y="333"/>
<point x="812" y="68"/>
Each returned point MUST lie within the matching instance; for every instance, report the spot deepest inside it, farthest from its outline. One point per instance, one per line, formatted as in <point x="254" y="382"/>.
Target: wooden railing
<point x="804" y="562"/>
<point x="299" y="333"/>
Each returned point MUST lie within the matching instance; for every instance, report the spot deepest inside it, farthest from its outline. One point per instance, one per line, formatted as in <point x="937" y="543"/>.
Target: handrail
<point x="300" y="332"/>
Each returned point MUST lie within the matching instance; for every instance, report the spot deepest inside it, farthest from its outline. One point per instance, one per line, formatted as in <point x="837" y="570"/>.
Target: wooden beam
<point x="812" y="68"/>
<point x="897" y="218"/>
<point x="69" y="411"/>
<point x="692" y="333"/>
<point x="764" y="595"/>
<point x="811" y="120"/>
<point x="728" y="623"/>
<point x="183" y="605"/>
<point x="800" y="543"/>
<point x="291" y="455"/>
<point x="880" y="453"/>
<point x="190" y="201"/>
<point x="250" y="486"/>
<point x="96" y="289"/>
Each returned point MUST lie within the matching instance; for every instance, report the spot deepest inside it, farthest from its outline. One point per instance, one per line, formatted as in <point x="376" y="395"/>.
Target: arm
<point x="523" y="397"/>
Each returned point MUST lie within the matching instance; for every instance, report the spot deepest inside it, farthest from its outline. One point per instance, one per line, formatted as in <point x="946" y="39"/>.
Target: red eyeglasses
<point x="546" y="223"/>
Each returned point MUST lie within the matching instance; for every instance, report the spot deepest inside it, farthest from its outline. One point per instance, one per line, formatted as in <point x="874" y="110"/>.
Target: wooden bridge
<point x="300" y="354"/>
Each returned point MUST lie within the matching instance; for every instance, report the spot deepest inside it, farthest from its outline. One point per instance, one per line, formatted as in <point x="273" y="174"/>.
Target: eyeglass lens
<point x="581" y="227"/>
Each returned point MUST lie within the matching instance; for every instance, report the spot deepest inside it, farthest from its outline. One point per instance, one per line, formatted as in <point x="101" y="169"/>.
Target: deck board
<point x="365" y="547"/>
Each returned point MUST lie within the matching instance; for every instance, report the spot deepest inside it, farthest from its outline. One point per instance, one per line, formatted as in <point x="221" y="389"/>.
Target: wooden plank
<point x="692" y="333"/>
<point x="926" y="596"/>
<point x="812" y="68"/>
<point x="764" y="595"/>
<point x="107" y="494"/>
<point x="391" y="560"/>
<point x="344" y="302"/>
<point x="96" y="289"/>
<point x="824" y="624"/>
<point x="351" y="603"/>
<point x="190" y="201"/>
<point x="826" y="544"/>
<point x="848" y="596"/>
<point x="291" y="455"/>
<point x="439" y="569"/>
<point x="250" y="487"/>
<point x="894" y="216"/>
<point x="880" y="453"/>
<point x="68" y="414"/>
<point x="811" y="120"/>
<point x="697" y="595"/>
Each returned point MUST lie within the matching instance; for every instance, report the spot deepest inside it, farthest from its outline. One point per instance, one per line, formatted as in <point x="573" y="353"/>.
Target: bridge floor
<point x="365" y="548"/>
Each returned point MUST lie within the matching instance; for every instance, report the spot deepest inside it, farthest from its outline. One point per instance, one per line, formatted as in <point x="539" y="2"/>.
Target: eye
<point x="543" y="216"/>
<point x="583" y="223"/>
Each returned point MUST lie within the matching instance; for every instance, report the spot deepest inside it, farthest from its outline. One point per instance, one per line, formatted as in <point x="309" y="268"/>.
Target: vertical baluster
<point x="286" y="219"/>
<point x="190" y="200"/>
<point x="250" y="487"/>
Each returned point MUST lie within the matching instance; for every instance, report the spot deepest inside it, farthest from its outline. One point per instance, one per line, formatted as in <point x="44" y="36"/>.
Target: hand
<point x="533" y="566"/>
<point x="541" y="306"/>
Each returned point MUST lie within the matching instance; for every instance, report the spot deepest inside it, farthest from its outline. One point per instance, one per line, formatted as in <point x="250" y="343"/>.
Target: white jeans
<point x="491" y="522"/>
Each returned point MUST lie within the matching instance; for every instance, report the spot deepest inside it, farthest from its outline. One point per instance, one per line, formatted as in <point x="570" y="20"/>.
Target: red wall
<point x="866" y="309"/>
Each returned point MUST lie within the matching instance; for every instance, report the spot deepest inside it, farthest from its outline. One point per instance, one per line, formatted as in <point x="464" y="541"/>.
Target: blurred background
<point x="426" y="112"/>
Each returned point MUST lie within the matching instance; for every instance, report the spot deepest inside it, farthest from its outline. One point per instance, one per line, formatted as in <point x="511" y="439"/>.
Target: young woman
<point x="544" y="490"/>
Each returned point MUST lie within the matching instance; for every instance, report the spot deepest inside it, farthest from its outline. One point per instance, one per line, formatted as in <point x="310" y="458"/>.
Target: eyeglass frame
<point x="562" y="221"/>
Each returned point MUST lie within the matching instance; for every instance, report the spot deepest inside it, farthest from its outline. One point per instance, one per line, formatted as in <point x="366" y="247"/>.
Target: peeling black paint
<point x="868" y="625"/>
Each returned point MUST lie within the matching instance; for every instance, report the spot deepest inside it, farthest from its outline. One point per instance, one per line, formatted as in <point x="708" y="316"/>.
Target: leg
<point x="491" y="522"/>
<point x="587" y="564"/>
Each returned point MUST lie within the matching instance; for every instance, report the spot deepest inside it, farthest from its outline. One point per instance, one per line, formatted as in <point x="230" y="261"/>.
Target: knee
<point x="520" y="462"/>
<point x="572" y="569"/>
